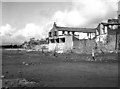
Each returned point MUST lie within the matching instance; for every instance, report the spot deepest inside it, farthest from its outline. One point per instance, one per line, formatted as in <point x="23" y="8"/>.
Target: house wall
<point x="68" y="43"/>
<point x="83" y="46"/>
<point x="101" y="38"/>
<point x="109" y="45"/>
<point x="52" y="46"/>
<point x="59" y="32"/>
<point x="86" y="46"/>
<point x="62" y="47"/>
<point x="106" y="40"/>
<point x="53" y="30"/>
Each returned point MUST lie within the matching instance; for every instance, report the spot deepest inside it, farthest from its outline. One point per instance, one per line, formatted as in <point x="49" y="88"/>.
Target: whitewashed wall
<point x="62" y="47"/>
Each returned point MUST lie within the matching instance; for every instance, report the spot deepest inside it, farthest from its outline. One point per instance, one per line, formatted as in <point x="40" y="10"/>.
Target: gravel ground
<point x="63" y="70"/>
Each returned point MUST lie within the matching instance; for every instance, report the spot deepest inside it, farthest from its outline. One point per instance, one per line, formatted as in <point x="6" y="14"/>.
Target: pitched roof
<point x="75" y="38"/>
<point x="106" y="24"/>
<point x="86" y="30"/>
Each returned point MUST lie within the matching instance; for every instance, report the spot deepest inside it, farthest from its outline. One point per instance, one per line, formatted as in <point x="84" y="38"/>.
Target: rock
<point x="2" y="76"/>
<point x="26" y="64"/>
<point x="89" y="59"/>
<point x="23" y="63"/>
<point x="111" y="51"/>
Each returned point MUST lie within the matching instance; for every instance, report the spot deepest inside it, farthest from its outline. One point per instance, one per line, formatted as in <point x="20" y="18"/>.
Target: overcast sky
<point x="23" y="20"/>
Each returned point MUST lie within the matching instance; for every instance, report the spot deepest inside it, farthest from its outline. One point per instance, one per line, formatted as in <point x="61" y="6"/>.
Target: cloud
<point x="33" y="30"/>
<point x="6" y="30"/>
<point x="86" y="12"/>
<point x="72" y="18"/>
<point x="30" y="30"/>
<point x="10" y="35"/>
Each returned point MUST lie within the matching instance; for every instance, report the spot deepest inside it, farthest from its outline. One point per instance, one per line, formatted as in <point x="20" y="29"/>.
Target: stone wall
<point x="109" y="46"/>
<point x="84" y="46"/>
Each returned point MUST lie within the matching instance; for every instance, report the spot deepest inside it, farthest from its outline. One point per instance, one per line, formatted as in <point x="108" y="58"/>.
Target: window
<point x="115" y="27"/>
<point x="50" y="34"/>
<point x="68" y="32"/>
<point x="57" y="40"/>
<point x="52" y="41"/>
<point x="60" y="33"/>
<point x="110" y="26"/>
<point x="55" y="33"/>
<point x="73" y="33"/>
<point x="63" y="32"/>
<point x="62" y="40"/>
<point x="87" y="34"/>
<point x="105" y="29"/>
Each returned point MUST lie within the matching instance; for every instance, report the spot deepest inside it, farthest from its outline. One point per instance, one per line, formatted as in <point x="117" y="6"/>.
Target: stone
<point x="2" y="76"/>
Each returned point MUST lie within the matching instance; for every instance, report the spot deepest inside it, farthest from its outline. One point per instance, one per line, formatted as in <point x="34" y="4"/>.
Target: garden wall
<point x="83" y="46"/>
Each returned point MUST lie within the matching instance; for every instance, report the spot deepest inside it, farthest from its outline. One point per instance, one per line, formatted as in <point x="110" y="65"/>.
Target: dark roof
<point x="75" y="38"/>
<point x="112" y="20"/>
<point x="110" y="24"/>
<point x="76" y="29"/>
<point x="85" y="30"/>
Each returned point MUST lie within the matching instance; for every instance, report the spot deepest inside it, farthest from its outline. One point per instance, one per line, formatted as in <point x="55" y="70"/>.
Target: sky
<point x="23" y="20"/>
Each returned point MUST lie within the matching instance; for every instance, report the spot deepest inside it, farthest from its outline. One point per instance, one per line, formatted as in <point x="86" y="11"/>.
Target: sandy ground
<point x="68" y="70"/>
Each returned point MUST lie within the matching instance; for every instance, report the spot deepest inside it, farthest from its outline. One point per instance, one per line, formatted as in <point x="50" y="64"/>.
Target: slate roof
<point x="106" y="24"/>
<point x="73" y="29"/>
<point x="86" y="30"/>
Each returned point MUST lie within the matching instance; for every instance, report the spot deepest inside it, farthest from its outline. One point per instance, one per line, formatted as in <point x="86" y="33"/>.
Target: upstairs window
<point x="50" y="34"/>
<point x="63" y="32"/>
<point x="55" y="33"/>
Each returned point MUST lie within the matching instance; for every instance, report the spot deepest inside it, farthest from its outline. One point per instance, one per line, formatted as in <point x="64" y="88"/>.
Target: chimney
<point x="54" y="25"/>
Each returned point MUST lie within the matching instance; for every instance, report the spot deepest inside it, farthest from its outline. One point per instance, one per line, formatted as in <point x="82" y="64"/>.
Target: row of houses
<point x="82" y="40"/>
<point x="63" y="39"/>
<point x="104" y="38"/>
